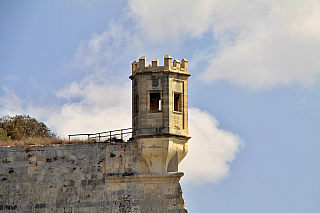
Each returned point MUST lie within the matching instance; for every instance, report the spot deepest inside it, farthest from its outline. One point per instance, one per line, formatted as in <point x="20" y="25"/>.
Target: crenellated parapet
<point x="169" y="65"/>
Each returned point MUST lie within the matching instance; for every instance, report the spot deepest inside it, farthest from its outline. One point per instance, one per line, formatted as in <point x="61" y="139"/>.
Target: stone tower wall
<point x="89" y="177"/>
<point x="169" y="81"/>
<point x="160" y="112"/>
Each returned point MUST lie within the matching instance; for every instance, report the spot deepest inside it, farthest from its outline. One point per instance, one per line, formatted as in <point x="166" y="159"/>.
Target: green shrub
<point x="3" y="135"/>
<point x="21" y="127"/>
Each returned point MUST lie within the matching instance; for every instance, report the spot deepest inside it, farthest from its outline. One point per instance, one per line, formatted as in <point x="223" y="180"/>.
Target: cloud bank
<point x="258" y="44"/>
<point x="93" y="107"/>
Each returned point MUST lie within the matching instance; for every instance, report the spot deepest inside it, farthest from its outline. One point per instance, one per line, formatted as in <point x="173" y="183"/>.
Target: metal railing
<point x="119" y="135"/>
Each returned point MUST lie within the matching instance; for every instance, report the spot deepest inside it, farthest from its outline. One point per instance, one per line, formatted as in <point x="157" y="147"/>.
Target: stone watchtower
<point x="160" y="112"/>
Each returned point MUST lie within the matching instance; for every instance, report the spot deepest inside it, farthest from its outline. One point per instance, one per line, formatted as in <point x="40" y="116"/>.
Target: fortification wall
<point x="89" y="177"/>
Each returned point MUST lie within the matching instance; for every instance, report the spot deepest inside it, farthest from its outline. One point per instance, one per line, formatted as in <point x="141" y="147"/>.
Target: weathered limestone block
<point x="89" y="177"/>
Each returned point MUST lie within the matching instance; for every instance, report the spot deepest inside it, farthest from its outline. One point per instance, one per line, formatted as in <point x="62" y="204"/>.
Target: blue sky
<point x="253" y="95"/>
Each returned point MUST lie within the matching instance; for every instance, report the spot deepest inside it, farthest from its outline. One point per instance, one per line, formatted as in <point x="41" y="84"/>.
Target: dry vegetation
<point x="41" y="141"/>
<point x="22" y="130"/>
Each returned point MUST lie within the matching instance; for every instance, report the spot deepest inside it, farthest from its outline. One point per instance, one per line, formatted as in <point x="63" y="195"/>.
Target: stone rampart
<point x="88" y="177"/>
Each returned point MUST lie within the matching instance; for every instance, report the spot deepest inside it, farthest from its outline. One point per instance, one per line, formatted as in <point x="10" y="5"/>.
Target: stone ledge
<point x="148" y="72"/>
<point x="161" y="135"/>
<point x="145" y="177"/>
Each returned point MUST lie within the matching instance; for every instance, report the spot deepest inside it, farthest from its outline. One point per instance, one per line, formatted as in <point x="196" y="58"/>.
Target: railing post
<point x="121" y="135"/>
<point x="110" y="136"/>
<point x="88" y="137"/>
<point x="69" y="137"/>
<point x="99" y="137"/>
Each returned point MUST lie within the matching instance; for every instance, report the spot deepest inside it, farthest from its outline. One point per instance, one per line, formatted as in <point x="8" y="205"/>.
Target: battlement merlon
<point x="175" y="66"/>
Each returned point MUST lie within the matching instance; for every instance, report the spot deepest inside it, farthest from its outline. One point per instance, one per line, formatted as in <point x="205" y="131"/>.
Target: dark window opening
<point x="155" y="101"/>
<point x="177" y="102"/>
<point x="136" y="104"/>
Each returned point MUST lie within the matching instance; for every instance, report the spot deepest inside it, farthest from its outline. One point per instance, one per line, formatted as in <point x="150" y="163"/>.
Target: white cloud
<point x="11" y="77"/>
<point x="10" y="103"/>
<point x="100" y="107"/>
<point x="257" y="44"/>
<point x="108" y="51"/>
<point x="279" y="46"/>
<point x="211" y="150"/>
<point x="163" y="20"/>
